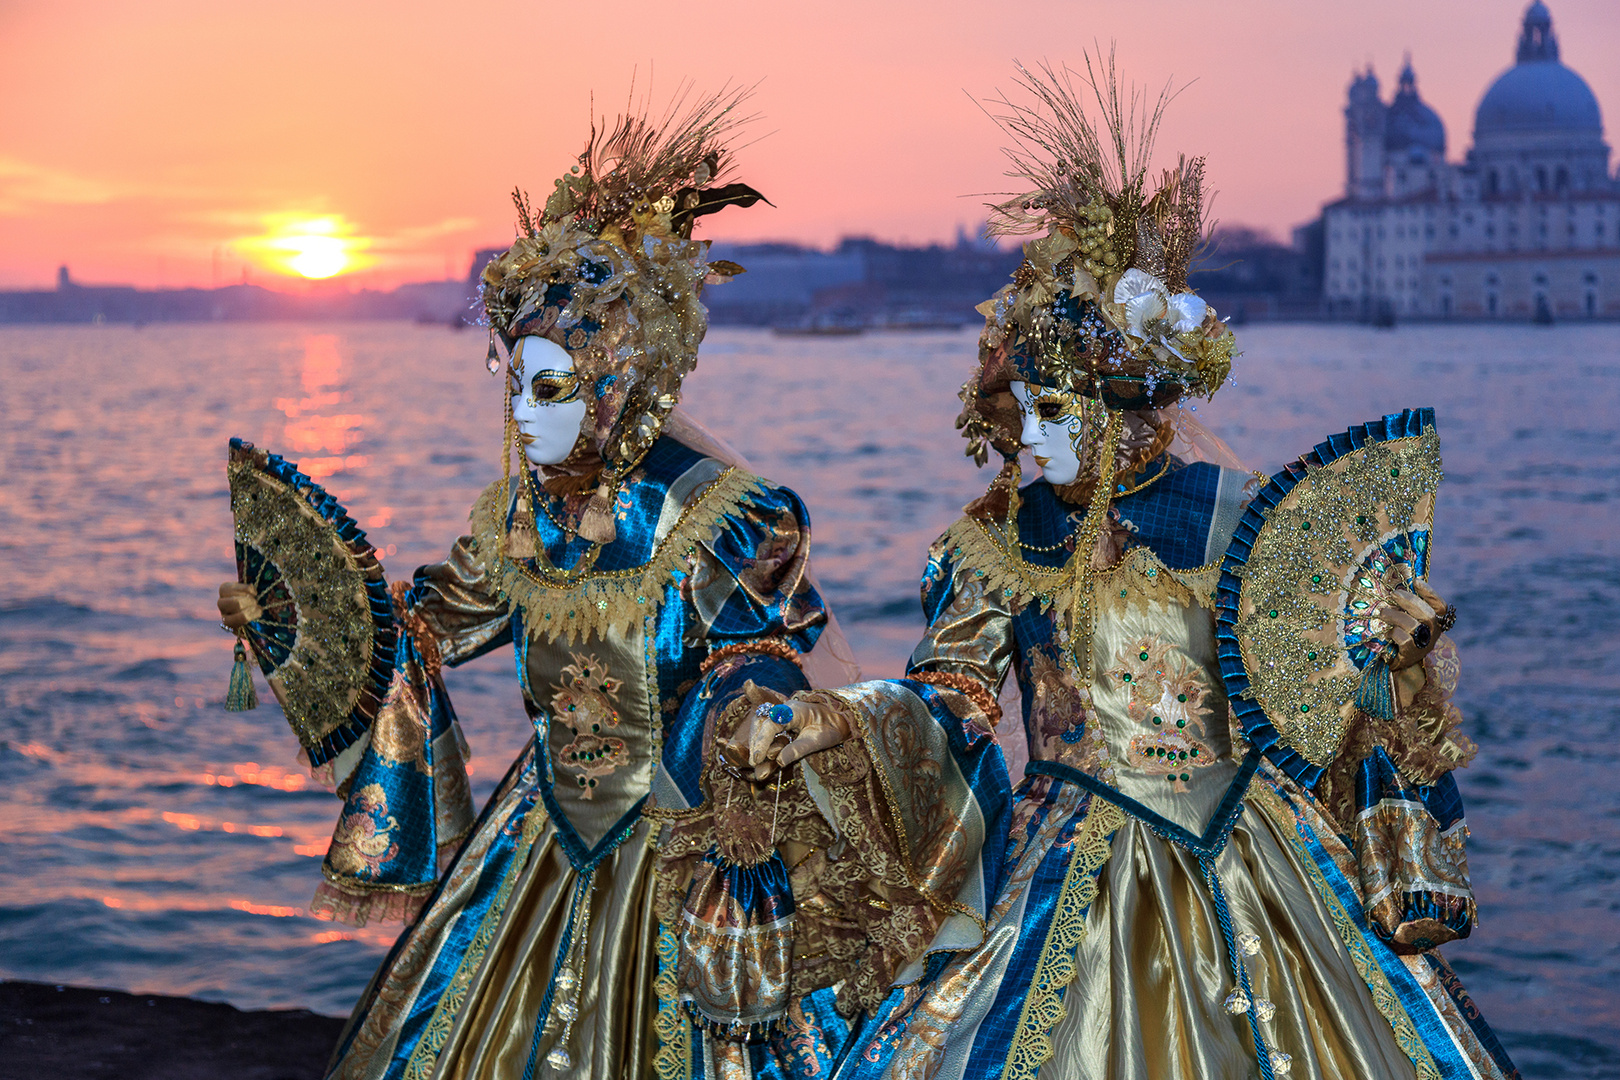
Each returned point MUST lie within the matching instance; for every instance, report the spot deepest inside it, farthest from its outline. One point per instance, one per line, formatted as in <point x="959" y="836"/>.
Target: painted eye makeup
<point x="553" y="387"/>
<point x="1050" y="407"/>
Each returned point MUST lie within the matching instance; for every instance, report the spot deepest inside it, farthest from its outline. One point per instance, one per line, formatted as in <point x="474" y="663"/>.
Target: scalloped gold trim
<point x="603" y="601"/>
<point x="673" y="1060"/>
<point x="1043" y="1006"/>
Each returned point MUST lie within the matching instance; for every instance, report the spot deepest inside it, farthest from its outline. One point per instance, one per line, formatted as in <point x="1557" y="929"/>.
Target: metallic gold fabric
<point x="613" y="1035"/>
<point x="1151" y="976"/>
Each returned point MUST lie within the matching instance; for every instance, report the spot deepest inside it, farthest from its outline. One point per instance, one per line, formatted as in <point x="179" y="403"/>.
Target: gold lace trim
<point x="1140" y="577"/>
<point x="437" y="1032"/>
<point x="1140" y="574"/>
<point x="604" y="600"/>
<point x="673" y="1061"/>
<point x="1043" y="1007"/>
<point x="982" y="546"/>
<point x="1286" y="824"/>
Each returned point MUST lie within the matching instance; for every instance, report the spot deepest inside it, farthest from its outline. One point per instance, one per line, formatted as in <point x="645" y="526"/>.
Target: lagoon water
<point x="153" y="842"/>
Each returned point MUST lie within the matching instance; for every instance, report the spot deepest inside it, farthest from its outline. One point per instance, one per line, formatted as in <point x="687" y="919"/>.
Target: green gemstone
<point x="1181" y="723"/>
<point x="1143" y="656"/>
<point x="1304" y="708"/>
<point x="1395" y="471"/>
<point x="1170" y="777"/>
<point x="1195" y="751"/>
<point x="1124" y="592"/>
<point x="1305" y="526"/>
<point x="1316" y="579"/>
<point x="1158" y="720"/>
<point x="1126" y="676"/>
<point x="1361" y="519"/>
<point x="1185" y="777"/>
<point x="1310" y="656"/>
<point x="1181" y="697"/>
<point x="1272" y="613"/>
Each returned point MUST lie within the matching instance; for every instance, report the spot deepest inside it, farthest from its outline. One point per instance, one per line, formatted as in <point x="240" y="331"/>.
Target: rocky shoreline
<point x="54" y="1032"/>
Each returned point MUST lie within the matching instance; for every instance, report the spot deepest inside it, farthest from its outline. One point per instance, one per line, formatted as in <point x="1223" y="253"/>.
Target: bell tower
<point x="1364" y="122"/>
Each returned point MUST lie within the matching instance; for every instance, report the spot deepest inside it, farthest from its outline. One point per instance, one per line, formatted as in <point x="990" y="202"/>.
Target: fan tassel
<point x="1376" y="695"/>
<point x="241" y="696"/>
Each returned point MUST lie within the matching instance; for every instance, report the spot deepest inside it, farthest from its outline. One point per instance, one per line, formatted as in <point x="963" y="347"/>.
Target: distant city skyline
<point x="179" y="142"/>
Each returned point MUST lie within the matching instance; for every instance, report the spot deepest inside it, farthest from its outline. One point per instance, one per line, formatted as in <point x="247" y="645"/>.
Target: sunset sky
<point x="187" y="142"/>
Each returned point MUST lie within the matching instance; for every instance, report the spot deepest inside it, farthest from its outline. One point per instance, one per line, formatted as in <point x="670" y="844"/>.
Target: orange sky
<point x="147" y="142"/>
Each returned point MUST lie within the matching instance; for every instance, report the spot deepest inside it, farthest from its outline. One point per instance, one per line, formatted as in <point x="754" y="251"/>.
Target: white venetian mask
<point x="1054" y="430"/>
<point x="546" y="400"/>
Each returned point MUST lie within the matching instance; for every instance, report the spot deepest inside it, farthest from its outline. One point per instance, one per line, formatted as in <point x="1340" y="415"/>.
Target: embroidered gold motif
<point x="1168" y="698"/>
<point x="1063" y="721"/>
<point x="363" y="841"/>
<point x="585" y="706"/>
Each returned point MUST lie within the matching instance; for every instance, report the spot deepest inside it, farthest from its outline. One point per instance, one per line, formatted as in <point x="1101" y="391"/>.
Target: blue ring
<point x="781" y="714"/>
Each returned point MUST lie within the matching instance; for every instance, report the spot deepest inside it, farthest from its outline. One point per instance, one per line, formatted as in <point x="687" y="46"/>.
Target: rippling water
<point x="154" y="842"/>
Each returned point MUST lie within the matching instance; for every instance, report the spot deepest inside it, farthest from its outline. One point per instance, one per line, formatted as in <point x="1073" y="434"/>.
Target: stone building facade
<point x="1526" y="226"/>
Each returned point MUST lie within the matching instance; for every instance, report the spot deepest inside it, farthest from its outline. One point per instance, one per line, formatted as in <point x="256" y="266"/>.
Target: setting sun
<point x="314" y="248"/>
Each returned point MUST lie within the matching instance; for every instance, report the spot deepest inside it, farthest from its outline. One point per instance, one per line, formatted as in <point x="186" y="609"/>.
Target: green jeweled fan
<point x="1318" y="553"/>
<point x="325" y="639"/>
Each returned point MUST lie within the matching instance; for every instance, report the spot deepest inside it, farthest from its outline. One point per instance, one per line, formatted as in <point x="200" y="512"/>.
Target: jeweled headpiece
<point x="608" y="270"/>
<point x="1100" y="304"/>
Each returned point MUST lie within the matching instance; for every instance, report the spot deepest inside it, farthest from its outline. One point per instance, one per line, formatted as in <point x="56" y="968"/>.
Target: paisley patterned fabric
<point x="538" y="950"/>
<point x="1167" y="903"/>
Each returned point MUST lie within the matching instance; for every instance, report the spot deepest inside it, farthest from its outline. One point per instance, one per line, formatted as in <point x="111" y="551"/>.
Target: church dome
<point x="1538" y="94"/>
<point x="1410" y="124"/>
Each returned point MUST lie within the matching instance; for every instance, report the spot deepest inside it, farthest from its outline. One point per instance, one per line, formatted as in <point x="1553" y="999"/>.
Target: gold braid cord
<point x="758" y="647"/>
<point x="970" y="688"/>
<point x="596" y="603"/>
<point x="1043" y="1006"/>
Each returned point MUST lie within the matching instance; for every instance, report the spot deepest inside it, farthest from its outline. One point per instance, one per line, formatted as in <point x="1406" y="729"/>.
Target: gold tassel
<point x="241" y="696"/>
<point x="596" y="524"/>
<point x="522" y="540"/>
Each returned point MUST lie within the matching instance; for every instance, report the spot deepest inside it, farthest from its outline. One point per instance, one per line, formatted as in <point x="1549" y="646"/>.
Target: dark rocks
<point x="71" y="1033"/>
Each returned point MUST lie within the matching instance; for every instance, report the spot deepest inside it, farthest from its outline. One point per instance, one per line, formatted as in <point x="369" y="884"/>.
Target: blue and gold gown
<point x="1149" y="843"/>
<point x="538" y="951"/>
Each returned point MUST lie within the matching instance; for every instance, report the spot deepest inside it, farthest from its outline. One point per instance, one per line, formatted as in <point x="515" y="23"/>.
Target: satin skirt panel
<point x="458" y="997"/>
<point x="1152" y="971"/>
<point x="613" y="1034"/>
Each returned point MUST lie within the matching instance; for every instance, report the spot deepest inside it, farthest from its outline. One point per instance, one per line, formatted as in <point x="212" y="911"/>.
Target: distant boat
<point x="917" y="319"/>
<point x="821" y="325"/>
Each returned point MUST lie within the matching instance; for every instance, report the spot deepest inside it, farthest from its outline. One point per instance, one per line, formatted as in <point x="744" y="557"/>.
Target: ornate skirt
<point x="459" y="995"/>
<point x="1107" y="958"/>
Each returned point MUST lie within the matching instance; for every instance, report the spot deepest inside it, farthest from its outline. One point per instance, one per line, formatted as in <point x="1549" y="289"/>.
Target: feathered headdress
<point x="1100" y="304"/>
<point x="607" y="269"/>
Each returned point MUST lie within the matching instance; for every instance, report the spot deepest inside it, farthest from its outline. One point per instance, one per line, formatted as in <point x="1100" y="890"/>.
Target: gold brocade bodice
<point x="1157" y="698"/>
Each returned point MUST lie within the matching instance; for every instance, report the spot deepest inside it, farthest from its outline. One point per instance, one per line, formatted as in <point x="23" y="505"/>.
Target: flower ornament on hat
<point x="608" y="270"/>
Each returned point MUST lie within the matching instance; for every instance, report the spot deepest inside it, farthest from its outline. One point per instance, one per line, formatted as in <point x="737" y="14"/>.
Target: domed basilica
<point x="1526" y="227"/>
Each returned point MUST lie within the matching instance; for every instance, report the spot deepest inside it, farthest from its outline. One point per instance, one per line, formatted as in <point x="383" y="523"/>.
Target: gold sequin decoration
<point x="322" y="678"/>
<point x="1302" y="571"/>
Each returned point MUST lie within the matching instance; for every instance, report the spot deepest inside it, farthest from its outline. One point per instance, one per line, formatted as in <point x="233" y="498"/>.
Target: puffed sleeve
<point x="1392" y="793"/>
<point x="407" y="802"/>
